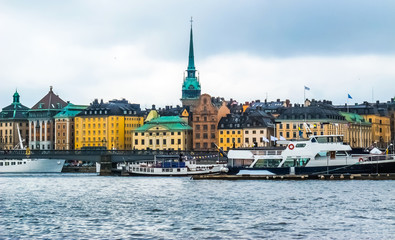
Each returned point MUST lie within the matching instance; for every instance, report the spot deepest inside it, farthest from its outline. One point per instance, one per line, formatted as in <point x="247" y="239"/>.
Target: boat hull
<point x="32" y="166"/>
<point x="365" y="167"/>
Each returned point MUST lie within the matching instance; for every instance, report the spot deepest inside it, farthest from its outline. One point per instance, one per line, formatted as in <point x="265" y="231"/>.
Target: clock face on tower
<point x="191" y="87"/>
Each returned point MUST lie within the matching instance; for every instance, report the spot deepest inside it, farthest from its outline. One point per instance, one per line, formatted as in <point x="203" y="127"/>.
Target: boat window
<point x="1" y="164"/>
<point x="300" y="145"/>
<point x="296" y="162"/>
<point x="341" y="153"/>
<point x="24" y="162"/>
<point x="267" y="163"/>
<point x="19" y="163"/>
<point x="339" y="139"/>
<point x="321" y="140"/>
<point x="13" y="163"/>
<point x="313" y="140"/>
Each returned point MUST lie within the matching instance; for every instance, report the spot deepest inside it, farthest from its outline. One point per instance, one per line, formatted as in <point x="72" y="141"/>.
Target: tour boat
<point x="173" y="168"/>
<point x="31" y="165"/>
<point x="325" y="154"/>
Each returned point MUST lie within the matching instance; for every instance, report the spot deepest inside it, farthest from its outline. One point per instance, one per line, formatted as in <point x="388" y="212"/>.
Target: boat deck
<point x="386" y="176"/>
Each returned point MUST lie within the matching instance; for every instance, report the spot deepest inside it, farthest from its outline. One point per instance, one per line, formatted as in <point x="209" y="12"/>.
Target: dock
<point x="379" y="176"/>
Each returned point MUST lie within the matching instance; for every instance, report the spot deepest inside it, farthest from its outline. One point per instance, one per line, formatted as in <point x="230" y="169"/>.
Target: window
<point x="205" y="127"/>
<point x="197" y="127"/>
<point x="287" y="126"/>
<point x="212" y="135"/>
<point x="247" y="140"/>
<point x="150" y="142"/>
<point x="221" y="140"/>
<point x="197" y="135"/>
<point x="205" y="136"/>
<point x="164" y="141"/>
<point x="157" y="141"/>
<point x="212" y="127"/>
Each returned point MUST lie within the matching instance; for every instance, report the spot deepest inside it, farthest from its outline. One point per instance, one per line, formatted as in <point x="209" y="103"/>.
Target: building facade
<point x="107" y="125"/>
<point x="13" y="121"/>
<point x="258" y="126"/>
<point x="206" y="116"/>
<point x="64" y="126"/>
<point x="42" y="121"/>
<point x="358" y="132"/>
<point x="164" y="133"/>
<point x="230" y="132"/>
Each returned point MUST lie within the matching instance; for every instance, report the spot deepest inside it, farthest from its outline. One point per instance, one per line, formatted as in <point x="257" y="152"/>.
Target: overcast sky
<point x="244" y="49"/>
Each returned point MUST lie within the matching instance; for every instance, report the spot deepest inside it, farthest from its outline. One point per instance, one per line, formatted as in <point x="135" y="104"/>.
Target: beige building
<point x="13" y="121"/>
<point x="164" y="133"/>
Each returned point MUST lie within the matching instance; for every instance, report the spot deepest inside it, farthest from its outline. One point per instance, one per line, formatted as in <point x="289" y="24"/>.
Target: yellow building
<point x="230" y="138"/>
<point x="164" y="133"/>
<point x="108" y="125"/>
<point x="381" y="129"/>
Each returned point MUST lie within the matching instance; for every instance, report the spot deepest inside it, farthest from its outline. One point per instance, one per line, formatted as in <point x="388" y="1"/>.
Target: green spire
<point x="16" y="97"/>
<point x="191" y="86"/>
<point x="191" y="61"/>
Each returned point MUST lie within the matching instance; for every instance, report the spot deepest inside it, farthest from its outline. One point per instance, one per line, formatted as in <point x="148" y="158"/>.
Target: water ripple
<point x="83" y="206"/>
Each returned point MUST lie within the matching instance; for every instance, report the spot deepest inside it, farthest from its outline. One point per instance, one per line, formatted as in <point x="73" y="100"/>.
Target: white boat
<point x="173" y="168"/>
<point x="317" y="155"/>
<point x="30" y="165"/>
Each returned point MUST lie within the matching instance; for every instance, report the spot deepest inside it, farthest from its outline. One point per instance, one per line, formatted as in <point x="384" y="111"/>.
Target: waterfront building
<point x="12" y="118"/>
<point x="358" y="132"/>
<point x="320" y="118"/>
<point x="64" y="126"/>
<point x="164" y="133"/>
<point x="206" y="116"/>
<point x="42" y="122"/>
<point x="258" y="126"/>
<point x="230" y="132"/>
<point x="107" y="125"/>
<point x="191" y="89"/>
<point x="378" y="116"/>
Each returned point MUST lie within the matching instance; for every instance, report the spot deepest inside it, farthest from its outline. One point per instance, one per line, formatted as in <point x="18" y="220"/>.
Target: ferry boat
<point x="173" y="168"/>
<point x="325" y="154"/>
<point x="31" y="165"/>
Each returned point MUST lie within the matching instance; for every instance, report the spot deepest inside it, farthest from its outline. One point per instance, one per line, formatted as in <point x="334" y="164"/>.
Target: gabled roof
<point x="51" y="101"/>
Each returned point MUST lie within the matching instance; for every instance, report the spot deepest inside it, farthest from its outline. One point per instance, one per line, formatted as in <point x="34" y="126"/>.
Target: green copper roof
<point x="171" y="123"/>
<point x="354" y="118"/>
<point x="70" y="110"/>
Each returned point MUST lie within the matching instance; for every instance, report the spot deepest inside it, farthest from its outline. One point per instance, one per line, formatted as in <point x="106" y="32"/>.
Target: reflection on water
<point x="71" y="206"/>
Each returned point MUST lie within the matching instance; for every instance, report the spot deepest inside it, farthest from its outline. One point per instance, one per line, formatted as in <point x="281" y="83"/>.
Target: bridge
<point x="106" y="157"/>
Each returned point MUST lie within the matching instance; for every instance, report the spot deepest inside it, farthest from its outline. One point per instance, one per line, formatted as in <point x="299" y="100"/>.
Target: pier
<point x="379" y="176"/>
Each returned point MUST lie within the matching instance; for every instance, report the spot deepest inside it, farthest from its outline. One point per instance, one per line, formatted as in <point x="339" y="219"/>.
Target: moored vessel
<point x="325" y="154"/>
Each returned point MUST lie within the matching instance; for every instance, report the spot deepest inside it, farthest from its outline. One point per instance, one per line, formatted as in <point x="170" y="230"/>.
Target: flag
<point x="306" y="88"/>
<point x="282" y="138"/>
<point x="349" y="96"/>
<point x="273" y="139"/>
<point x="265" y="139"/>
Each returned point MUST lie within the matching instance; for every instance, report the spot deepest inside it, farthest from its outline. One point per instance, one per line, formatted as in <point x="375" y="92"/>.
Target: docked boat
<point x="173" y="168"/>
<point x="325" y="154"/>
<point x="31" y="165"/>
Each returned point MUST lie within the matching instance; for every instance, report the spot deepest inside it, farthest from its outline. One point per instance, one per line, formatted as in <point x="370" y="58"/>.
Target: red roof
<point x="50" y="101"/>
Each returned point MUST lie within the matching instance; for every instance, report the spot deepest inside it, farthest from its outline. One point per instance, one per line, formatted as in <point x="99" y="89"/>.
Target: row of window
<point x="11" y="163"/>
<point x="205" y="127"/>
<point x="6" y="124"/>
<point x="158" y="142"/>
<point x="204" y="136"/>
<point x="156" y="134"/>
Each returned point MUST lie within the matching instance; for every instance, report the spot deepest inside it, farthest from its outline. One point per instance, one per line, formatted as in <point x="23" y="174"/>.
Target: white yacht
<point x="317" y="155"/>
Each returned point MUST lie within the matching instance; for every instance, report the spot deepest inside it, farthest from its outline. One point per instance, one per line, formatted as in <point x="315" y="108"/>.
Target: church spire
<point x="191" y="61"/>
<point x="16" y="97"/>
<point x="191" y="85"/>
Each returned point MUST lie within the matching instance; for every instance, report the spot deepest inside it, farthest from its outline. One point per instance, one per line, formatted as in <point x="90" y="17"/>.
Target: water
<point x="85" y="206"/>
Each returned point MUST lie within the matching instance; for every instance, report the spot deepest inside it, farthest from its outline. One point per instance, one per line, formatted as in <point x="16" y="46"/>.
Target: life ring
<point x="360" y="160"/>
<point x="291" y="146"/>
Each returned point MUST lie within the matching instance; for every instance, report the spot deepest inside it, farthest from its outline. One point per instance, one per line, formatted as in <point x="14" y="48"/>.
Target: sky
<point x="244" y="50"/>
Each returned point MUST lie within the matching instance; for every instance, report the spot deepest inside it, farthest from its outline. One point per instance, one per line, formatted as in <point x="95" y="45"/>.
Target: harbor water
<point x="86" y="206"/>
